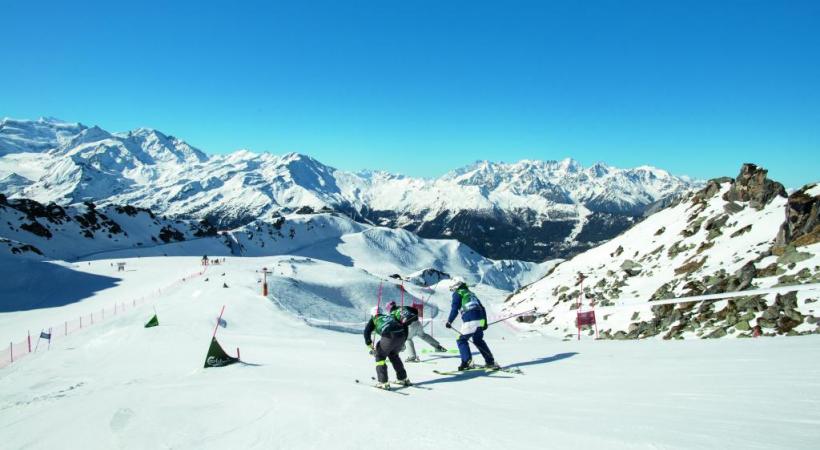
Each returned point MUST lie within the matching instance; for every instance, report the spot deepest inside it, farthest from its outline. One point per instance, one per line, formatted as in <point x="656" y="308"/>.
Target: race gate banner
<point x="217" y="357"/>
<point x="153" y="322"/>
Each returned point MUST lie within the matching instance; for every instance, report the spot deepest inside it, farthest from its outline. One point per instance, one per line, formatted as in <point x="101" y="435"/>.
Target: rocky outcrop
<point x="752" y="186"/>
<point x="631" y="268"/>
<point x="802" y="224"/>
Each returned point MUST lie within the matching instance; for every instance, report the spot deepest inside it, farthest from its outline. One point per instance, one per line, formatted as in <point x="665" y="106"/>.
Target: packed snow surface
<point x="119" y="385"/>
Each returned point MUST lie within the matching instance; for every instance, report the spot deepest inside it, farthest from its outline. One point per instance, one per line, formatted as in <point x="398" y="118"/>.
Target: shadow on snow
<point x="476" y="374"/>
<point x="41" y="284"/>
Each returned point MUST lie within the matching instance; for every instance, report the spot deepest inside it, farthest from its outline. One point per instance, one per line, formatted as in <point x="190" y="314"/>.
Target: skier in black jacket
<point x="393" y="334"/>
<point x="409" y="317"/>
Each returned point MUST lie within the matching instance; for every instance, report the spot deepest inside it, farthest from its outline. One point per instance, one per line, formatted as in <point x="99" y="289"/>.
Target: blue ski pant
<point x="463" y="343"/>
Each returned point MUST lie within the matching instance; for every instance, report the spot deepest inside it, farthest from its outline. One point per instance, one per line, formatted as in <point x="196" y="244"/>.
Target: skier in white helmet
<point x="408" y="316"/>
<point x="473" y="324"/>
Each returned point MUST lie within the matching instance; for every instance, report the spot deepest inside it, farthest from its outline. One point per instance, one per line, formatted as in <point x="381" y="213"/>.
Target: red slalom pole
<point x="29" y="341"/>
<point x="401" y="288"/>
<point x="379" y="304"/>
<point x="217" y="320"/>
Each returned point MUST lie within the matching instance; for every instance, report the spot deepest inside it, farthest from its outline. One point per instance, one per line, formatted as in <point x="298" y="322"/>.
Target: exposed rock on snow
<point x="802" y="225"/>
<point x="719" y="239"/>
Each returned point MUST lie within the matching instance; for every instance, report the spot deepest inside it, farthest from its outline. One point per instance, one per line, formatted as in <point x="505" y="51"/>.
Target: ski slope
<point x="119" y="385"/>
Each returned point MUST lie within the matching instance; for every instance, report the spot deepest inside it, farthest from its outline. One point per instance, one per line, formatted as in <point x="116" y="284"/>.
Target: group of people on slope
<point x="399" y="325"/>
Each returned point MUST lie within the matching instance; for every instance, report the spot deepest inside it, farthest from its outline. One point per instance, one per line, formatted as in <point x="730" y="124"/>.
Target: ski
<point x="411" y="385"/>
<point x="513" y="370"/>
<point x="458" y="372"/>
<point x="376" y="386"/>
<point x="400" y="385"/>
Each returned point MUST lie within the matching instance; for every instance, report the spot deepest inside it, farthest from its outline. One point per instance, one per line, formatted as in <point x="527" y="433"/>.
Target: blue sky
<point x="421" y="87"/>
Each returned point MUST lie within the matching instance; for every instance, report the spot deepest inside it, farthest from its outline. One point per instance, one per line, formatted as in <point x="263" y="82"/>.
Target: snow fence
<point x="38" y="342"/>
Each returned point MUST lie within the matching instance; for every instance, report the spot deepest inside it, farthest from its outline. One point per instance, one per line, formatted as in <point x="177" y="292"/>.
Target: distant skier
<point x="409" y="317"/>
<point x="393" y="335"/>
<point x="224" y="285"/>
<point x="474" y="322"/>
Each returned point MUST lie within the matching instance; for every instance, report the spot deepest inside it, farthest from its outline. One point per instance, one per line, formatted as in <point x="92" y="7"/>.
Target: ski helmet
<point x="390" y="306"/>
<point x="374" y="311"/>
<point x="456" y="283"/>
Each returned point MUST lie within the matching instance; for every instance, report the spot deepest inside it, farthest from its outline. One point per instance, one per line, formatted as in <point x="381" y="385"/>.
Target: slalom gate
<point x="31" y="343"/>
<point x="404" y="298"/>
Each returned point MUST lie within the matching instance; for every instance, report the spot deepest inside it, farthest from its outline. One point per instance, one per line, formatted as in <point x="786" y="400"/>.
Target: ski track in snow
<point x="119" y="385"/>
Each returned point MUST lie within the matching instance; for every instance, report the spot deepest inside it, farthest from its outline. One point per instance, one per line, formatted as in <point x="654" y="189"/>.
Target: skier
<point x="408" y="316"/>
<point x="393" y="335"/>
<point x="474" y="322"/>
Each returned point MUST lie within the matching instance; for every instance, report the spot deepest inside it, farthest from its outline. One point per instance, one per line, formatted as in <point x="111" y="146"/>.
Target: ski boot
<point x="404" y="382"/>
<point x="440" y="349"/>
<point x="492" y="366"/>
<point x="385" y="386"/>
<point x="412" y="359"/>
<point x="465" y="365"/>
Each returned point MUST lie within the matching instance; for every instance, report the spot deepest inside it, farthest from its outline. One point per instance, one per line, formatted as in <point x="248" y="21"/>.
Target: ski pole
<point x="514" y="315"/>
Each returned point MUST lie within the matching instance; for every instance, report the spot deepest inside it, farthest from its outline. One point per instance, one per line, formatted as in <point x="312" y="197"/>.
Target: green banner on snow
<point x="217" y="357"/>
<point x="153" y="322"/>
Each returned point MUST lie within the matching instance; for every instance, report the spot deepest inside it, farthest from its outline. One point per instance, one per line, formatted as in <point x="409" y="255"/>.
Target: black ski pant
<point x="389" y="347"/>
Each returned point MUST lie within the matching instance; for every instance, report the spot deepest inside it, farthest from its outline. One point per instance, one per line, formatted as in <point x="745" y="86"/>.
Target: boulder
<point x="631" y="268"/>
<point x="719" y="333"/>
<point x="733" y="208"/>
<point x="753" y="186"/>
<point x="766" y="323"/>
<point x="790" y="255"/>
<point x="785" y="324"/>
<point x="712" y="187"/>
<point x="802" y="224"/>
<point x="771" y="313"/>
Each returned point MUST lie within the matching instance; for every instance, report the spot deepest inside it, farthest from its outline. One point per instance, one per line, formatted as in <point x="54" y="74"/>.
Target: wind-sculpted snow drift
<point x="530" y="210"/>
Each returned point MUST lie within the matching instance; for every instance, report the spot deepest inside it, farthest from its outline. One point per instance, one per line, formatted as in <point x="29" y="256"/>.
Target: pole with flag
<point x="218" y="320"/>
<point x="43" y="335"/>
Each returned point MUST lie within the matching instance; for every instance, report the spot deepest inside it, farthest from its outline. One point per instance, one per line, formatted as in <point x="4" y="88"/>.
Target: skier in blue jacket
<point x="473" y="324"/>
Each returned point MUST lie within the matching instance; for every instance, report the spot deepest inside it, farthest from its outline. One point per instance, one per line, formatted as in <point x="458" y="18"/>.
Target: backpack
<point x="386" y="325"/>
<point x="469" y="301"/>
<point x="406" y="315"/>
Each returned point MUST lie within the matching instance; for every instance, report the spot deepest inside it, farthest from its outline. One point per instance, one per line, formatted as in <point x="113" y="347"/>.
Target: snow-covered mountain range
<point x="733" y="235"/>
<point x="31" y="230"/>
<point x="531" y="210"/>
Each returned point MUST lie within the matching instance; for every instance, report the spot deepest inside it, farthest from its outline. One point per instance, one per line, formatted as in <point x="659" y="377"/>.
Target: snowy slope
<point x="119" y="385"/>
<point x="721" y="239"/>
<point x="83" y="230"/>
<point x="364" y="256"/>
<point x="559" y="205"/>
<point x="34" y="136"/>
